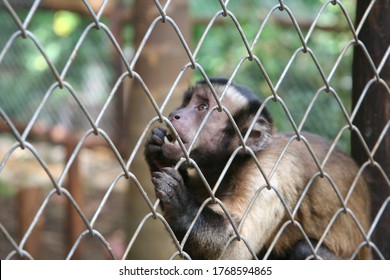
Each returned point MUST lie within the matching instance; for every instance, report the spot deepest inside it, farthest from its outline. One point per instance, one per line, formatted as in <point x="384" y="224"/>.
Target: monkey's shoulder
<point x="287" y="154"/>
<point x="308" y="145"/>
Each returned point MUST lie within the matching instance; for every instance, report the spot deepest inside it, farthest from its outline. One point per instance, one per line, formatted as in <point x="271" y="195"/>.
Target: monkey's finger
<point x="159" y="131"/>
<point x="157" y="136"/>
<point x="153" y="150"/>
<point x="162" y="192"/>
<point x="163" y="178"/>
<point x="156" y="175"/>
<point x="156" y="139"/>
<point x="166" y="180"/>
<point x="173" y="173"/>
<point x="160" y="179"/>
<point x="165" y="186"/>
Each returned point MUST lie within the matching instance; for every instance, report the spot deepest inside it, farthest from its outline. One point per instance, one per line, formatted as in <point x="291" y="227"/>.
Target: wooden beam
<point x="29" y="201"/>
<point x="374" y="113"/>
<point x="75" y="225"/>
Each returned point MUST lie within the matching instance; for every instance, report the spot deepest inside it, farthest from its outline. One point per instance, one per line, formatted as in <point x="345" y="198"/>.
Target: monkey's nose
<point x="174" y="115"/>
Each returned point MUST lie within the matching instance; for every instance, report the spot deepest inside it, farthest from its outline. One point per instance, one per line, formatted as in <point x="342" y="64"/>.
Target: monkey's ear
<point x="260" y="134"/>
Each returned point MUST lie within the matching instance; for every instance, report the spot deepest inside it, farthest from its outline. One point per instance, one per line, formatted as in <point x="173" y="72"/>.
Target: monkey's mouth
<point x="170" y="138"/>
<point x="171" y="142"/>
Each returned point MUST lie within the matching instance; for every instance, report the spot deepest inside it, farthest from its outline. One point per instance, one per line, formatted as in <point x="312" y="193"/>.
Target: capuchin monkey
<point x="265" y="177"/>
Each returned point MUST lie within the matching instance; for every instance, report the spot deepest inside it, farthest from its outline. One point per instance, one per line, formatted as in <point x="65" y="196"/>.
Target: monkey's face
<point x="217" y="138"/>
<point x="187" y="119"/>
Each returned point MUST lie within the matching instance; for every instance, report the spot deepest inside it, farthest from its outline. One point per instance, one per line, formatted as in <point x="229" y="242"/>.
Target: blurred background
<point x="85" y="58"/>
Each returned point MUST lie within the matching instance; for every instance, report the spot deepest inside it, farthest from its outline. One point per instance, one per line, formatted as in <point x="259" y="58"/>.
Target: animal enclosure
<point x="74" y="120"/>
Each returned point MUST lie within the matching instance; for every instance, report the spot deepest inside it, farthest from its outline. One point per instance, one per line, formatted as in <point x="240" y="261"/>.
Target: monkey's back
<point x="328" y="198"/>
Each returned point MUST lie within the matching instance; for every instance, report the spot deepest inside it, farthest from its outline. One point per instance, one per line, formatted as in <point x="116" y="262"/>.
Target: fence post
<point x="29" y="201"/>
<point x="159" y="64"/>
<point x="75" y="225"/>
<point x="374" y="113"/>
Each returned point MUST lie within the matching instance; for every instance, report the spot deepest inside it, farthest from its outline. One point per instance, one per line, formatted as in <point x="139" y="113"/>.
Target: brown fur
<point x="288" y="167"/>
<point x="320" y="204"/>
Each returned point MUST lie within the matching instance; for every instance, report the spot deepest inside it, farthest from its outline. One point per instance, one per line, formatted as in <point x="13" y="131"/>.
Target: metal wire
<point x="164" y="18"/>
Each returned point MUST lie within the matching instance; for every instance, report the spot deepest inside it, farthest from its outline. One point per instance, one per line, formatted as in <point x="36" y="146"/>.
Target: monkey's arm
<point x="211" y="231"/>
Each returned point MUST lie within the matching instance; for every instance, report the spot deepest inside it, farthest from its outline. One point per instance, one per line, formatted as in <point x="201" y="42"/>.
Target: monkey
<point x="269" y="177"/>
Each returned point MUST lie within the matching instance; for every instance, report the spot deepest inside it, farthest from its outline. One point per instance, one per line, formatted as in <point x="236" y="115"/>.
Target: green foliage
<point x="6" y="191"/>
<point x="223" y="48"/>
<point x="25" y="74"/>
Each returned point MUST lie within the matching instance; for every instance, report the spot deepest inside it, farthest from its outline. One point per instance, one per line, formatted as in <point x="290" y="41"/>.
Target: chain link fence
<point x="21" y="140"/>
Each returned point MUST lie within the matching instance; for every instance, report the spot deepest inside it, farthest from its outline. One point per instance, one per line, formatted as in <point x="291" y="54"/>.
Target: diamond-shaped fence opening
<point x="83" y="83"/>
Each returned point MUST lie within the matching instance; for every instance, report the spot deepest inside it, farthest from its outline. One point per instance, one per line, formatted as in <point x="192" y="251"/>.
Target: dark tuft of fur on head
<point x="253" y="101"/>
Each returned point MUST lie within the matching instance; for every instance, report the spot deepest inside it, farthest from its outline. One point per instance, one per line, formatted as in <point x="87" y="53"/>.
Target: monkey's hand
<point x="174" y="195"/>
<point x="210" y="233"/>
<point x="154" y="150"/>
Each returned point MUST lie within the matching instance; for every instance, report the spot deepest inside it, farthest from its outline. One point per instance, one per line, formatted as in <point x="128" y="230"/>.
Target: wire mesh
<point x="58" y="185"/>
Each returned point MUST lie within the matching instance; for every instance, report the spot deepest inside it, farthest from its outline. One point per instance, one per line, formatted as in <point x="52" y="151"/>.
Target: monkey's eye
<point x="202" y="107"/>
